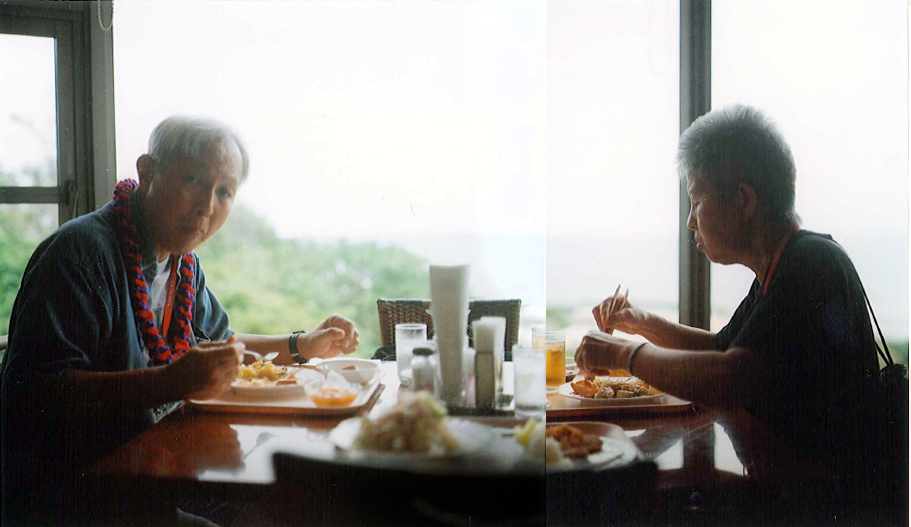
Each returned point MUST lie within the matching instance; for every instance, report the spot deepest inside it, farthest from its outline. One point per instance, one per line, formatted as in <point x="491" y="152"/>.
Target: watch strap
<point x="292" y="347"/>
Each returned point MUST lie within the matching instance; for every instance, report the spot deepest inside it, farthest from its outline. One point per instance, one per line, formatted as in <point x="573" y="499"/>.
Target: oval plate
<point x="303" y="375"/>
<point x="566" y="390"/>
<point x="472" y="437"/>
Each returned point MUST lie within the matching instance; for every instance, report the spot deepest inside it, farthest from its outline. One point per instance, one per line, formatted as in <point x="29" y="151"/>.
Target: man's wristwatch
<point x="292" y="347"/>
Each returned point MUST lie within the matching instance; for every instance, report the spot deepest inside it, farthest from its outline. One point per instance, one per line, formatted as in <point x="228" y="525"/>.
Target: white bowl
<point x="364" y="370"/>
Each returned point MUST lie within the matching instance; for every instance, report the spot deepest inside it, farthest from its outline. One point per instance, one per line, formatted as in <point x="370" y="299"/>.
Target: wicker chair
<point x="400" y="311"/>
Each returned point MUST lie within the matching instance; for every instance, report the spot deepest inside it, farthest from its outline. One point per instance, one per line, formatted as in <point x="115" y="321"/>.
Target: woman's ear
<point x="746" y="200"/>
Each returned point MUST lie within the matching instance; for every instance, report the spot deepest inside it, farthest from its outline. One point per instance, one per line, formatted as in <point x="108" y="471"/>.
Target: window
<point x="834" y="78"/>
<point x="612" y="201"/>
<point x="53" y="127"/>
<point x="384" y="136"/>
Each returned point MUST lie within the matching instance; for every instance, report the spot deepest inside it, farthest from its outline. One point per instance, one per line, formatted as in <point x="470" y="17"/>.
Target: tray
<point x="562" y="407"/>
<point x="295" y="404"/>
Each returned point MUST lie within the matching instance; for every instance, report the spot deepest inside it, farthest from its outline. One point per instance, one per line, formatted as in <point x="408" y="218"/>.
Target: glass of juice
<point x="555" y="351"/>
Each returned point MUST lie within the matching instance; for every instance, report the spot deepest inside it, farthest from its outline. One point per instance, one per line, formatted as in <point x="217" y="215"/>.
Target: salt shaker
<point x="424" y="369"/>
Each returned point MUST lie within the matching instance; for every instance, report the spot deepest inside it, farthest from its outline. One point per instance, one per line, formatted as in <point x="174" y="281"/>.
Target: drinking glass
<point x="538" y="337"/>
<point x="529" y="396"/>
<point x="407" y="337"/>
<point x="555" y="348"/>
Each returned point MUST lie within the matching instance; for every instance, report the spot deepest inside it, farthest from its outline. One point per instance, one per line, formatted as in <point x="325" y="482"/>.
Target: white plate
<point x="566" y="390"/>
<point x="472" y="437"/>
<point x="303" y="375"/>
<point x="614" y="453"/>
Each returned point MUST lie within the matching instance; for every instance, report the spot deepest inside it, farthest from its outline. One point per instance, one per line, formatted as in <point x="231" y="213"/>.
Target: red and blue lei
<point x="180" y="328"/>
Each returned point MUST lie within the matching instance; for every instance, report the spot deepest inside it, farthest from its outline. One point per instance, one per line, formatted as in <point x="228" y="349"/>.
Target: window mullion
<point x="695" y="100"/>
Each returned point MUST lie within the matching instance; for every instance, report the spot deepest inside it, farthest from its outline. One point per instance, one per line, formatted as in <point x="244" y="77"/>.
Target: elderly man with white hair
<point x="799" y="351"/>
<point x="114" y="322"/>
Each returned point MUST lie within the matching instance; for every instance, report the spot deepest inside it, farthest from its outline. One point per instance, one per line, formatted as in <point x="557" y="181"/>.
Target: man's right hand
<point x="208" y="369"/>
<point x="622" y="317"/>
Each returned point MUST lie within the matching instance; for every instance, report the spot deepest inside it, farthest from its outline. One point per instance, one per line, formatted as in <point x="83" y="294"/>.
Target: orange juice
<point x="555" y="364"/>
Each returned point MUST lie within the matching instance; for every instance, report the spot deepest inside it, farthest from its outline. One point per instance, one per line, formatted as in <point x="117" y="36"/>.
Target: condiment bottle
<point x="424" y="369"/>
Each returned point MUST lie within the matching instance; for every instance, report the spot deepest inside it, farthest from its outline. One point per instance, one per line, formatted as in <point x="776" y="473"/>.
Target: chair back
<point x="401" y="311"/>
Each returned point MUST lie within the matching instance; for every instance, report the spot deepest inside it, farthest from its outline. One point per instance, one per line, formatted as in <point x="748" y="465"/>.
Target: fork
<point x="260" y="358"/>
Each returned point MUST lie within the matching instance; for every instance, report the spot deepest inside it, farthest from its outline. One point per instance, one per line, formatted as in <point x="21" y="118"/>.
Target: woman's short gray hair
<point x="738" y="144"/>
<point x="181" y="136"/>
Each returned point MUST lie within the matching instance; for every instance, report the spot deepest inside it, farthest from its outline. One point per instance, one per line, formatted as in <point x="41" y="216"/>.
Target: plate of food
<point x="417" y="426"/>
<point x="611" y="391"/>
<point x="578" y="445"/>
<point x="265" y="379"/>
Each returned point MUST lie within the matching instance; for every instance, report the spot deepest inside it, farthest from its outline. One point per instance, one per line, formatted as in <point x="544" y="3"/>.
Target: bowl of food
<point x="331" y="392"/>
<point x="359" y="371"/>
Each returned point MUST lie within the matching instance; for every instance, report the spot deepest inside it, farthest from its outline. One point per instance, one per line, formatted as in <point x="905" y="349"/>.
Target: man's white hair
<point x="181" y="136"/>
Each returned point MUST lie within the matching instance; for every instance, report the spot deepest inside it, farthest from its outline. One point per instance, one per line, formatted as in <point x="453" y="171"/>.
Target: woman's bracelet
<point x="629" y="361"/>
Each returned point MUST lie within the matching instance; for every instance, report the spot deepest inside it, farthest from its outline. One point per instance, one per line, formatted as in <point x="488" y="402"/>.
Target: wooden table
<point x="708" y="462"/>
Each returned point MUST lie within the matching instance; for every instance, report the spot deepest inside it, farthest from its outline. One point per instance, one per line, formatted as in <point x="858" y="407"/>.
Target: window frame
<point x="86" y="170"/>
<point x="695" y="100"/>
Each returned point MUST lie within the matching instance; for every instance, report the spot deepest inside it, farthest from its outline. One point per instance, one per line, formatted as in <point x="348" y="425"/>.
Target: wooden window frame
<point x="84" y="91"/>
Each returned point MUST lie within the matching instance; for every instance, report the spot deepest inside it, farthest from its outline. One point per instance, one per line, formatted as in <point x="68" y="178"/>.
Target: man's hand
<point x="336" y="335"/>
<point x="616" y="313"/>
<point x="208" y="369"/>
<point x="600" y="352"/>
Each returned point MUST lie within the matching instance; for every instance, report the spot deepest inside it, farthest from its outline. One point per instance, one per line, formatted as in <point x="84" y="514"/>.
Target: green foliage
<point x="270" y="285"/>
<point x="899" y="351"/>
<point x="558" y="318"/>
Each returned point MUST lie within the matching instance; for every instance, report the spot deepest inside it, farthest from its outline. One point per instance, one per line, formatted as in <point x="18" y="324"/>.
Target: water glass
<point x="407" y="337"/>
<point x="529" y="396"/>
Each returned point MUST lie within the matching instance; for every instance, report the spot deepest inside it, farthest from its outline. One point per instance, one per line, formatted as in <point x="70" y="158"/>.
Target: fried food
<point x="573" y="442"/>
<point x="585" y="388"/>
<point x="611" y="388"/>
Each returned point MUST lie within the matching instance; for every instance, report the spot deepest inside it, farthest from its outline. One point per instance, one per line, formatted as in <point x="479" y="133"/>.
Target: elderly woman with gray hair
<point x="114" y="323"/>
<point x="799" y="347"/>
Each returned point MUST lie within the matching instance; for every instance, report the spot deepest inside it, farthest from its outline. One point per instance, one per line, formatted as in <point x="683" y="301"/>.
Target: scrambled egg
<point x="261" y="373"/>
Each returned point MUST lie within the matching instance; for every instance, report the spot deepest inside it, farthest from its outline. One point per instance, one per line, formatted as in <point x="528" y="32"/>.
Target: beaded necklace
<point x="180" y="331"/>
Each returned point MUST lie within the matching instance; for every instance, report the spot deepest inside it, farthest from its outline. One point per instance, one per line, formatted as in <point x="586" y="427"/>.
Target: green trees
<point x="270" y="285"/>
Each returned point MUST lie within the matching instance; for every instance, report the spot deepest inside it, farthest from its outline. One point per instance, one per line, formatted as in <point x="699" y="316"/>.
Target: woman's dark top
<point x="813" y="324"/>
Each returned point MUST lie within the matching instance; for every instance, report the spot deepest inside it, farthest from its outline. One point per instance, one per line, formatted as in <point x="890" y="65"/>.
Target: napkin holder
<point x="489" y="334"/>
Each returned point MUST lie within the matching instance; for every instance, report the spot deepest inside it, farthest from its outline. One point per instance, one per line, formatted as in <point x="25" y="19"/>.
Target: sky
<point x="535" y="141"/>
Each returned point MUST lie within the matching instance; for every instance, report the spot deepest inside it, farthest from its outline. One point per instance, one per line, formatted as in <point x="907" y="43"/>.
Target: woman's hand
<point x="616" y="312"/>
<point x="207" y="369"/>
<point x="335" y="336"/>
<point x="599" y="353"/>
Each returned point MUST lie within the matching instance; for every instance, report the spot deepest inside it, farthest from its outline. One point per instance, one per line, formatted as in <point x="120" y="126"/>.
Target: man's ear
<point x="145" y="167"/>
<point x="746" y="200"/>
